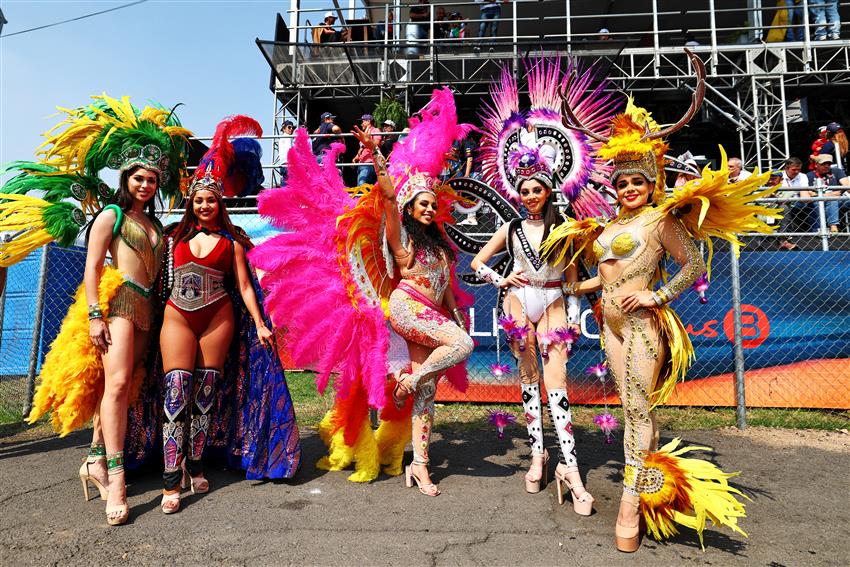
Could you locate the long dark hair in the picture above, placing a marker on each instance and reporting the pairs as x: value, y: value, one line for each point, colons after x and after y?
x: 426, y: 237
x: 549, y: 212
x: 124, y: 199
x: 185, y: 229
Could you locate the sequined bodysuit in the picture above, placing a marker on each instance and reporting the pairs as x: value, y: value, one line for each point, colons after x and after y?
x: 133, y: 300
x: 539, y: 307
x: 629, y: 255
x: 433, y: 338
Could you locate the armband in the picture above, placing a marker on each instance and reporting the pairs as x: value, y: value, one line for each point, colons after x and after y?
x: 569, y: 288
x: 458, y: 316
x: 95, y: 312
x: 489, y: 275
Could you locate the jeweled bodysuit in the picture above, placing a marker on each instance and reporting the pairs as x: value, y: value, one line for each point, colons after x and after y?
x: 416, y: 313
x: 629, y: 252
x: 133, y: 299
x: 539, y: 307
x: 198, y: 295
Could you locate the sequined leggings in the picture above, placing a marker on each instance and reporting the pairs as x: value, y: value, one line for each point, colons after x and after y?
x: 436, y: 343
x: 636, y: 355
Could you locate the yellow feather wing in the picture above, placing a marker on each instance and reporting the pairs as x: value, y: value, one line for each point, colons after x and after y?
x: 713, y: 207
x: 578, y: 234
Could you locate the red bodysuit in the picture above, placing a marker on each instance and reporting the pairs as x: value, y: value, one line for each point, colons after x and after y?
x: 199, y: 282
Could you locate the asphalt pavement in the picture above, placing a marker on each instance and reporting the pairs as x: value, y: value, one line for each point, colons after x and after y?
x: 798, y: 482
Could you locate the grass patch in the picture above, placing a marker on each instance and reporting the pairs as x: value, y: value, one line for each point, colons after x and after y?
x: 310, y: 407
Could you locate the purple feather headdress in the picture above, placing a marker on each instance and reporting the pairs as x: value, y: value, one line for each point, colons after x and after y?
x: 507, y: 129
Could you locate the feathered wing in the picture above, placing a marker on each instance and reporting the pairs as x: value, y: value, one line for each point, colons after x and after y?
x: 712, y: 207
x: 572, y: 236
x: 71, y: 378
x: 688, y: 492
x: 317, y: 277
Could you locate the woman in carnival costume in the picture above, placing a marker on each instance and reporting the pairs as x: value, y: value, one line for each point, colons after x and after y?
x: 335, y: 269
x: 206, y: 258
x: 646, y: 345
x: 530, y: 156
x: 95, y: 374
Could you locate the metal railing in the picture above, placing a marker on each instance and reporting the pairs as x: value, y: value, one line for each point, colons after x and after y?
x: 810, y: 328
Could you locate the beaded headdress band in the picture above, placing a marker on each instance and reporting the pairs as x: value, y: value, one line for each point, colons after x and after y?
x: 418, y: 183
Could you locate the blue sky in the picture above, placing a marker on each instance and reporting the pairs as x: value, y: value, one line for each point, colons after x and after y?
x: 200, y: 53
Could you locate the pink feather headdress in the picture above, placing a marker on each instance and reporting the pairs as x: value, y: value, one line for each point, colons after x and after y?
x: 418, y: 159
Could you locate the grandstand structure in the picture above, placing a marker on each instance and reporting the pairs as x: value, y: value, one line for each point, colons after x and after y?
x: 760, y: 95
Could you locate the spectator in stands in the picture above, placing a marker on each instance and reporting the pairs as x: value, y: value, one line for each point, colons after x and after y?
x: 417, y: 28
x: 325, y: 32
x: 604, y: 34
x: 824, y: 15
x: 836, y: 144
x: 328, y: 133
x: 366, y: 170
x: 737, y: 171
x: 385, y: 29
x: 457, y: 27
x: 441, y: 23
x: 691, y: 40
x: 797, y: 215
x: 283, y: 145
x: 491, y: 11
x: 825, y: 175
x: 794, y: 10
x: 388, y: 140
x: 817, y: 145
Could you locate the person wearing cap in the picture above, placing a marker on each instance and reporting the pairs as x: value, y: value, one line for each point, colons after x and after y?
x: 825, y: 175
x: 836, y: 143
x: 365, y: 170
x: 604, y: 34
x: 817, y: 146
x: 388, y: 140
x: 284, y: 144
x: 326, y: 31
x: 797, y: 215
x: 327, y: 134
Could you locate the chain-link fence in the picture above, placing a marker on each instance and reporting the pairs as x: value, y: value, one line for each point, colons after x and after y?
x: 785, y: 344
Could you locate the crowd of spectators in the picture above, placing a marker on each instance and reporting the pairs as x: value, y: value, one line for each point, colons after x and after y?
x: 824, y: 175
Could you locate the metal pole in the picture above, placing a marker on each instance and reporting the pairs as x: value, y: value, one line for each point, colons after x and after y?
x: 824, y: 233
x: 4, y: 273
x: 656, y: 41
x: 569, y: 34
x: 807, y: 38
x: 740, y: 399
x: 713, y: 26
x: 36, y: 331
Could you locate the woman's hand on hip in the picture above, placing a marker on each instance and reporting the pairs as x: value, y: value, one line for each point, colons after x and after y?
x: 635, y: 300
x: 99, y: 334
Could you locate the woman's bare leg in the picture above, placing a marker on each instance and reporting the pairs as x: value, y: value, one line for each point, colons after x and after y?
x: 118, y: 372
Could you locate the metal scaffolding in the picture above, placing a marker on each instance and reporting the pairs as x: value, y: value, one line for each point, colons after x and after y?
x: 748, y: 81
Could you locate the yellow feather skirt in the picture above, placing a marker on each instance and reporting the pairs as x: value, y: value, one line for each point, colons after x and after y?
x: 680, y: 354
x: 685, y: 491
x: 71, y: 379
